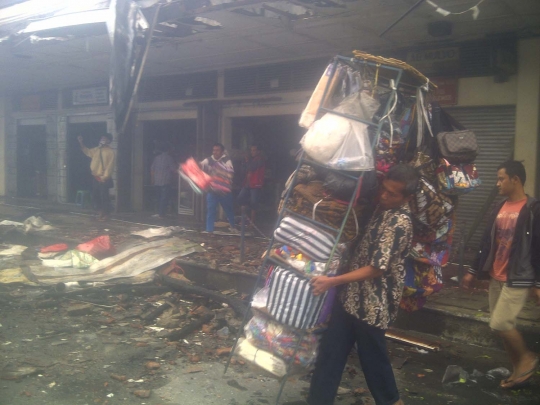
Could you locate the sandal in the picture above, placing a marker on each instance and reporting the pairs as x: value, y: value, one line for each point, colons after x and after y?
x: 514, y: 385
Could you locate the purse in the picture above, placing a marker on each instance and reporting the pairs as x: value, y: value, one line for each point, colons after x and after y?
x: 457, y: 179
x: 456, y: 143
x: 430, y: 207
x: 458, y: 146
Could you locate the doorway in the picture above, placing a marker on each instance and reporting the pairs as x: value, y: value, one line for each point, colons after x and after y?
x: 79, y: 176
x: 180, y: 136
x: 31, y: 161
x: 278, y: 138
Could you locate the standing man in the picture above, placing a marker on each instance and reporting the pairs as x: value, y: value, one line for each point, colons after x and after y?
x: 510, y: 256
x: 369, y: 299
x: 102, y: 167
x: 252, y: 186
x: 162, y: 174
x: 220, y: 168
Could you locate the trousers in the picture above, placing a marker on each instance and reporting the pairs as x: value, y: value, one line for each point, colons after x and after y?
x: 344, y: 330
x: 164, y: 196
x: 212, y: 201
x: 100, y: 197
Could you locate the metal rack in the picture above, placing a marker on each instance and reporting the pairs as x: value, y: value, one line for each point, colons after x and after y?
x: 353, y: 62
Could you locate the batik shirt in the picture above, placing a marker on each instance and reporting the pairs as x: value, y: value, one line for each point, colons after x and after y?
x: 385, y: 245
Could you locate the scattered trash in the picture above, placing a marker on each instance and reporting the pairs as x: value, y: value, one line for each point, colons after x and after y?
x: 142, y: 393
x: 36, y: 224
x: 100, y: 247
x: 152, y: 365
x: 110, y: 395
x: 498, y: 373
x: 455, y: 374
x: 16, y: 373
x: 162, y: 232
x: 223, y: 332
x: 477, y: 374
x: 11, y: 250
x: 343, y: 391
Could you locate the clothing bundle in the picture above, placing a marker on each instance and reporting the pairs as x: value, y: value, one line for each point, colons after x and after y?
x: 359, y: 123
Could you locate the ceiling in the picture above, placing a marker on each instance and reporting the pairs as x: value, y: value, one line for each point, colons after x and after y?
x: 250, y: 32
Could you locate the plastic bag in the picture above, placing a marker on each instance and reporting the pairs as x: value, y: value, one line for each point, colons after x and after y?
x: 342, y: 188
x: 261, y: 358
x: 280, y: 340
x: 99, y: 247
x: 340, y: 142
x: 59, y: 247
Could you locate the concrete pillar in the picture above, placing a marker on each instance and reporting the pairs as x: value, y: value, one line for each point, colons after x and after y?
x: 3, y: 125
x: 527, y: 144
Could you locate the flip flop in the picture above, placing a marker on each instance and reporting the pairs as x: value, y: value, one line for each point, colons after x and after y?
x: 520, y: 384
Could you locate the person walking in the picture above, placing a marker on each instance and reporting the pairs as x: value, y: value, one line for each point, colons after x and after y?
x: 162, y: 174
x: 369, y: 298
x: 509, y: 256
x: 219, y: 166
x: 250, y: 193
x: 102, y: 167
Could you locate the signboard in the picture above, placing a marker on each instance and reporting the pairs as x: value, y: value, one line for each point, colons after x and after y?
x: 89, y: 96
x: 446, y: 92
x: 435, y: 60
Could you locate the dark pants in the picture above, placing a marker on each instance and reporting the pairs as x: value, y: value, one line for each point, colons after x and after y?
x: 164, y: 196
x: 249, y: 197
x: 343, y: 332
x: 100, y: 197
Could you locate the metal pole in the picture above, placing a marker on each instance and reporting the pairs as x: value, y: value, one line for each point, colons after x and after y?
x: 141, y: 69
x: 243, y: 235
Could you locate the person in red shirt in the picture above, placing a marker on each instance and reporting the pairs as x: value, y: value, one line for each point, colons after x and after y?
x: 510, y: 257
x: 251, y: 189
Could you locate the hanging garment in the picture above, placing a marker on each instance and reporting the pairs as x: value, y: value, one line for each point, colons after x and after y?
x: 421, y: 281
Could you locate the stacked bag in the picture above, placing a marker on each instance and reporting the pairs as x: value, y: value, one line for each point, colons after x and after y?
x: 445, y: 161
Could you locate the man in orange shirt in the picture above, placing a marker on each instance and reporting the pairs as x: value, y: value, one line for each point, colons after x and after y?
x: 510, y: 256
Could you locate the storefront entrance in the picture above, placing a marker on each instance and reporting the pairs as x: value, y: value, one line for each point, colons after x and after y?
x: 278, y: 138
x: 180, y: 136
x: 31, y: 161
x: 79, y: 176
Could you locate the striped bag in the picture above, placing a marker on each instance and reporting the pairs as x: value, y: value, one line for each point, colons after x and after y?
x: 305, y: 237
x: 291, y: 300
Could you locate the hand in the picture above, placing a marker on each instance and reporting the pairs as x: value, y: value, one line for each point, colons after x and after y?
x: 536, y: 294
x: 80, y: 139
x: 466, y: 281
x: 321, y: 284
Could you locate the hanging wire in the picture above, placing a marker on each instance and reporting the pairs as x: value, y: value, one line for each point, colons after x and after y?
x: 444, y: 12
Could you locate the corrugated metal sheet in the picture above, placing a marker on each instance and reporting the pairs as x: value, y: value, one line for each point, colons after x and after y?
x: 495, y: 131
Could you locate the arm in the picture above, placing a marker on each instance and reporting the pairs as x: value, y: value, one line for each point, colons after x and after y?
x: 85, y: 150
x: 321, y: 284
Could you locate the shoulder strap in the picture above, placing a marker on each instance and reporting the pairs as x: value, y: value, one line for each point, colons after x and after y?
x: 102, y: 164
x: 451, y: 120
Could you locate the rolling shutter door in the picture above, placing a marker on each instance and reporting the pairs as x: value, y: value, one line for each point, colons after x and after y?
x: 495, y: 131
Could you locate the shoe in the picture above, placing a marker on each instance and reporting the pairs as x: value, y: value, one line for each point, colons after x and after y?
x: 514, y: 385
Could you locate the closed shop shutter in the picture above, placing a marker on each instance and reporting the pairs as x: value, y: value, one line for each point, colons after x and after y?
x: 495, y: 131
